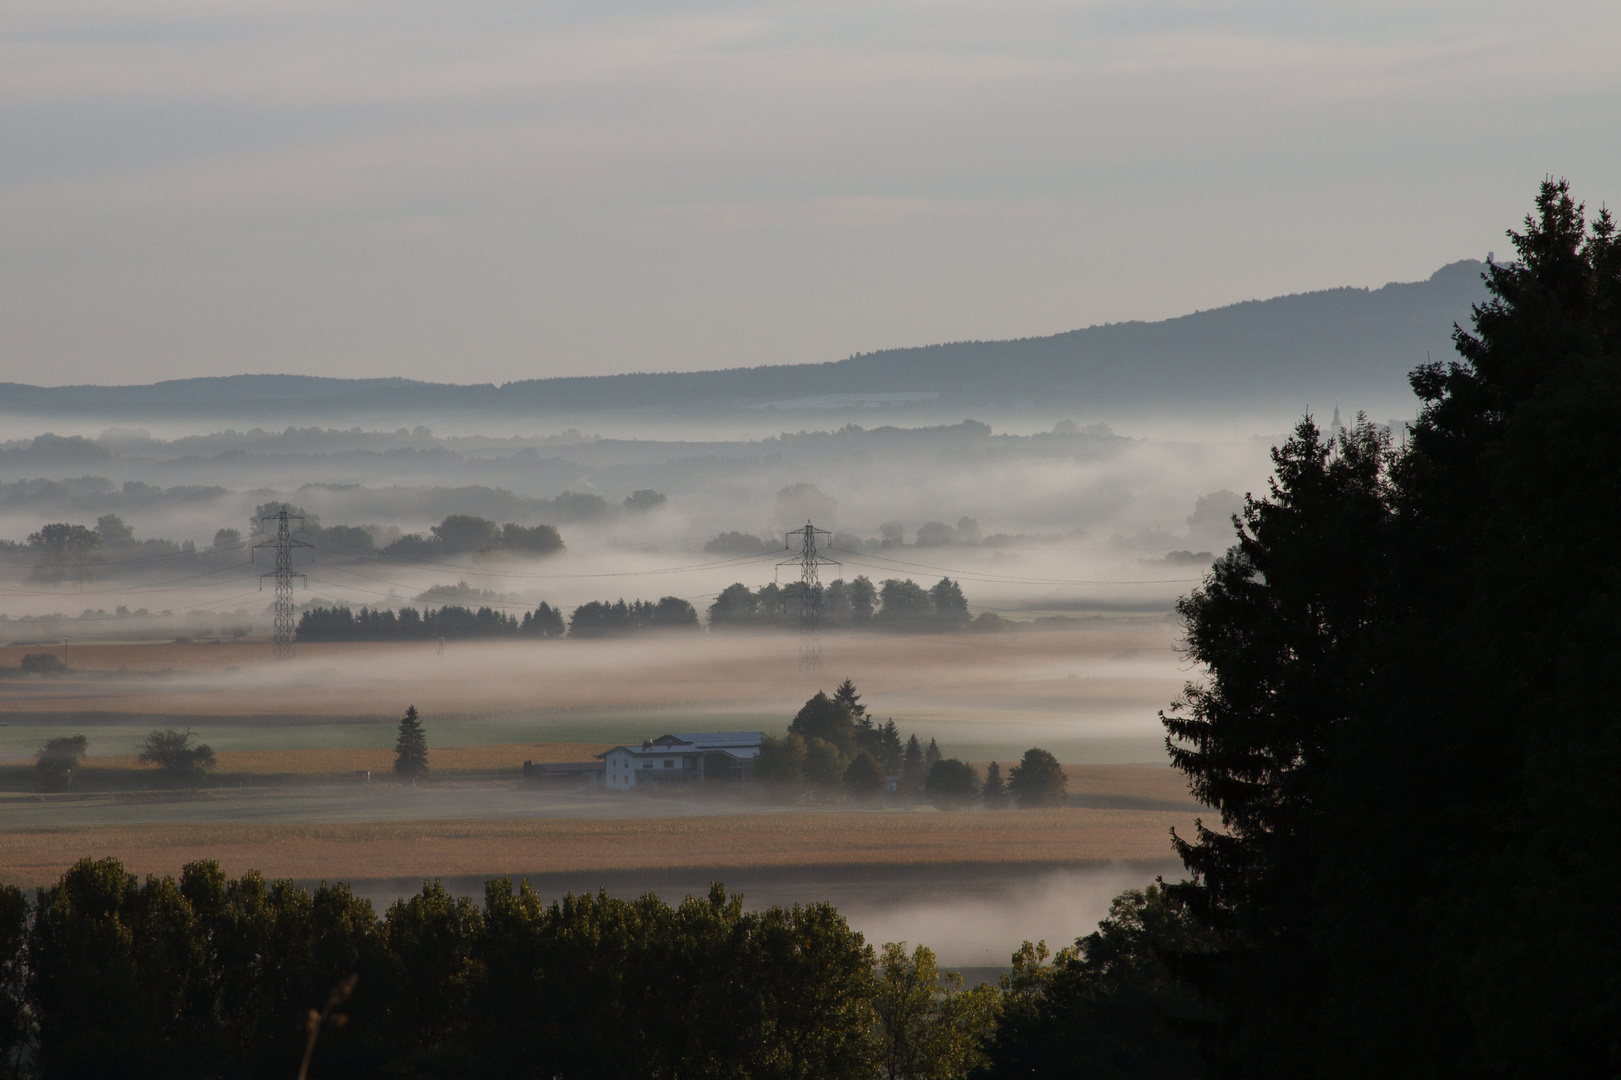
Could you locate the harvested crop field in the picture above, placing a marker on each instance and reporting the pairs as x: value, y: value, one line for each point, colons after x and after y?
x: 1090, y: 692
x: 503, y: 846
x: 497, y: 758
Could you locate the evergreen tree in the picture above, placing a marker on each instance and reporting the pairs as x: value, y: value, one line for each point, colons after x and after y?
x: 912, y: 774
x: 993, y: 792
x: 846, y: 695
x: 931, y: 755
x: 888, y: 752
x: 864, y: 779
x: 1403, y: 642
x: 411, y: 748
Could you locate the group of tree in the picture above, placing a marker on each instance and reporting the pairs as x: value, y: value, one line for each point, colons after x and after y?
x: 454, y: 622
x: 1410, y: 724
x: 67, y: 552
x: 107, y: 975
x: 894, y: 604
x: 457, y: 534
x: 835, y: 749
x: 599, y: 618
x: 173, y: 752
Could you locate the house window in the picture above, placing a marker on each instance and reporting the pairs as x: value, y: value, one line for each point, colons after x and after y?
x: 668, y: 764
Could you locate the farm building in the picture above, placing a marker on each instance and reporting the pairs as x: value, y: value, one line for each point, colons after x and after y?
x: 551, y: 774
x: 682, y: 759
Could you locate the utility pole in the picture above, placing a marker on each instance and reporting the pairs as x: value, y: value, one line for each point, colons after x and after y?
x: 809, y: 560
x: 283, y: 573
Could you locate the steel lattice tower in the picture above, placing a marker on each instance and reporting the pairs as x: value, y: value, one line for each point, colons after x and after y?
x: 810, y: 561
x: 284, y: 575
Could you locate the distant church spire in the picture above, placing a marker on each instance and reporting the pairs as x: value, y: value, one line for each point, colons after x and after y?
x: 1336, y: 427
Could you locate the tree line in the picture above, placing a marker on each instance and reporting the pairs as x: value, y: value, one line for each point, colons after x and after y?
x: 893, y: 604
x: 597, y: 619
x: 103, y: 975
x: 835, y: 749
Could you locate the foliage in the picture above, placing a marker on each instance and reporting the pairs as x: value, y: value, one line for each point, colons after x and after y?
x: 464, y: 533
x: 912, y: 774
x: 212, y: 976
x: 781, y: 760
x: 739, y: 543
x: 929, y: 1027
x: 346, y: 538
x: 112, y: 530
x: 16, y: 1019
x: 1409, y: 724
x: 993, y: 792
x: 1037, y: 780
x: 65, y: 551
x: 171, y: 751
x: 59, y: 760
x: 1109, y: 1007
x: 411, y: 746
x: 42, y: 664
x: 950, y: 606
x: 599, y: 619
x: 951, y: 784
x: 847, y: 696
x: 645, y: 499
x: 826, y: 718
x: 905, y: 606
x: 544, y: 622
x: 534, y: 540
x: 864, y: 779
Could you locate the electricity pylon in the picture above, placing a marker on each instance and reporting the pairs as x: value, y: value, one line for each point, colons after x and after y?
x: 810, y: 561
x: 284, y: 575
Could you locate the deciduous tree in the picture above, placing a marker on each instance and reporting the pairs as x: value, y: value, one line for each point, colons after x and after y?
x: 1037, y: 780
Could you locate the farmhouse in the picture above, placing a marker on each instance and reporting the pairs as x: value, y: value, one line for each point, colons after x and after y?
x: 682, y: 759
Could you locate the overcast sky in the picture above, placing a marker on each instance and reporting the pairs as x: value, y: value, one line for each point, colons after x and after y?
x: 479, y: 191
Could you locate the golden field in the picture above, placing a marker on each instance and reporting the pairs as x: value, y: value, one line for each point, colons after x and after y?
x: 499, y: 758
x: 1089, y: 669
x: 426, y: 849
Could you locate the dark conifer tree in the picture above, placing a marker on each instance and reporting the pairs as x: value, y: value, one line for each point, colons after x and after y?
x: 912, y: 773
x: 993, y: 792
x: 411, y: 748
x: 1410, y: 724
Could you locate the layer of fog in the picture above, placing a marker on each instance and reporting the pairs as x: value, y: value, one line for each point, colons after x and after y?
x: 1089, y: 693
x: 1070, y: 519
x: 970, y: 916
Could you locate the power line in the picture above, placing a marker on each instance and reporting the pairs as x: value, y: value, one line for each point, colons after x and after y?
x: 404, y: 563
x: 876, y: 562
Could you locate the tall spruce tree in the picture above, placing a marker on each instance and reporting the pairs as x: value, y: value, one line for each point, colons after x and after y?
x: 993, y: 792
x: 411, y: 748
x: 1410, y: 723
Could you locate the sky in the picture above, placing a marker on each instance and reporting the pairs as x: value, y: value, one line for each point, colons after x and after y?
x: 485, y: 191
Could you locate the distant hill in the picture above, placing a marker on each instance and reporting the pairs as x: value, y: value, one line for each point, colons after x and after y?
x: 1354, y: 345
